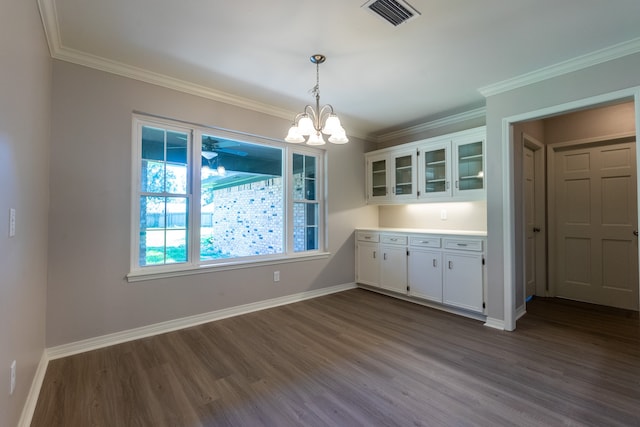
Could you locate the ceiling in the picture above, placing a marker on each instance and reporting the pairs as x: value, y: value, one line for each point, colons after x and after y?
x: 379, y: 78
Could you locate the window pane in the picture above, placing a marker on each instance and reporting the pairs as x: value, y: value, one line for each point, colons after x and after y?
x: 312, y: 214
x: 152, y: 143
x: 242, y: 199
x: 152, y: 177
x: 310, y: 167
x: 152, y: 236
x: 310, y: 189
x: 177, y: 147
x: 299, y: 227
x: 305, y: 226
x: 312, y: 238
x: 176, y: 179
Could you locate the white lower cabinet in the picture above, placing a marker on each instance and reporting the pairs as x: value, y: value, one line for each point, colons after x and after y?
x: 393, y: 268
x: 447, y: 270
x: 462, y: 284
x: 425, y: 274
x: 367, y: 258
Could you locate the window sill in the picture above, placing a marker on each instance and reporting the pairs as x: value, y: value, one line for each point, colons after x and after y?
x: 190, y: 269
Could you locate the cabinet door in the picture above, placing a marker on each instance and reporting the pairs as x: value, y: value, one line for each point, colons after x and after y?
x: 377, y: 178
x: 469, y: 168
x: 425, y: 274
x: 462, y: 285
x: 393, y: 268
x: 368, y: 264
x: 404, y: 175
x: 435, y: 173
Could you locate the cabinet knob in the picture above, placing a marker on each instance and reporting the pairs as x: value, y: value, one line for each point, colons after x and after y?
x: 450, y: 265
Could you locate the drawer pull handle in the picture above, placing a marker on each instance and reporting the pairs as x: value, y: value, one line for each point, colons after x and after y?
x: 394, y: 240
x: 435, y: 263
x: 450, y: 265
x: 384, y: 256
x: 424, y: 241
x: 374, y: 254
x: 367, y: 237
x: 463, y: 245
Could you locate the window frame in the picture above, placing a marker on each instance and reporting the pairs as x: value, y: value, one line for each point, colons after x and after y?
x: 194, y: 265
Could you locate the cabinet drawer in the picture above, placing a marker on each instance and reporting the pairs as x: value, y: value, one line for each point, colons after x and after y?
x: 393, y: 239
x: 425, y: 242
x: 463, y: 245
x: 367, y: 236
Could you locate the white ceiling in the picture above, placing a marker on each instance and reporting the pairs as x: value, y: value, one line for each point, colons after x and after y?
x: 378, y: 77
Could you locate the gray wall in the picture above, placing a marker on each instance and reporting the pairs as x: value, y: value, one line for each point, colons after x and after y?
x: 89, y: 221
x: 596, y: 80
x: 25, y: 105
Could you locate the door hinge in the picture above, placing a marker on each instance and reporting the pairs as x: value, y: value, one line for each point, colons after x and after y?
x: 418, y: 193
x: 408, y: 288
x: 482, y: 260
x: 407, y: 252
x: 417, y: 152
x: 484, y: 305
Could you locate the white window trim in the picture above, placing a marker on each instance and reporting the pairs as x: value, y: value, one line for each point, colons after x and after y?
x: 194, y: 265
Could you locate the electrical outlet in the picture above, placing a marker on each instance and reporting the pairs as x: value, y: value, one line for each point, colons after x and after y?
x: 276, y: 276
x: 13, y: 377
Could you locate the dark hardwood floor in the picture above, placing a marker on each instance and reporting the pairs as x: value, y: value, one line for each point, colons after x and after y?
x: 357, y: 358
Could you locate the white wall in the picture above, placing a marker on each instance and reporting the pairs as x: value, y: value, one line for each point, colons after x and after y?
x: 597, y: 80
x: 25, y: 105
x: 88, y: 295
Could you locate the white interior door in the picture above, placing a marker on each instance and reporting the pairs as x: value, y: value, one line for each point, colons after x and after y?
x: 596, y: 251
x: 535, y: 270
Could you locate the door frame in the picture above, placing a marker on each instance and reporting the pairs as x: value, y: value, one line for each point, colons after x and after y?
x: 540, y: 195
x: 510, y: 250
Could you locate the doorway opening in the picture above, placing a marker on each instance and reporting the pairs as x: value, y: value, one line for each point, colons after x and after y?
x: 571, y: 169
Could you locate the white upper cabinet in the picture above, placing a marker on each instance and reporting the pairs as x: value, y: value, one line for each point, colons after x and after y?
x: 378, y: 178
x: 391, y: 176
x: 468, y: 169
x: 435, y: 170
x: 446, y: 168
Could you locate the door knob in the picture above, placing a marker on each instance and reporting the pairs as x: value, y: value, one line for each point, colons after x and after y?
x: 635, y: 233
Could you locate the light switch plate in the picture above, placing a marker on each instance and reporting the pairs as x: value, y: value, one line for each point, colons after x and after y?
x: 12, y: 222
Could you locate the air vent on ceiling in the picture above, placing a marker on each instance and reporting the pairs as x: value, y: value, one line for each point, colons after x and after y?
x: 393, y: 11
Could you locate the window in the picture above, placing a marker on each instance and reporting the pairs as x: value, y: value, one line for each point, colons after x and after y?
x: 211, y: 197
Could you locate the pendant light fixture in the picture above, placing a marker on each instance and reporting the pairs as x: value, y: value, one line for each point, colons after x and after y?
x: 312, y: 123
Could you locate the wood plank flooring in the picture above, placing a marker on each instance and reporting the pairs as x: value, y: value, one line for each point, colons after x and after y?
x: 358, y: 358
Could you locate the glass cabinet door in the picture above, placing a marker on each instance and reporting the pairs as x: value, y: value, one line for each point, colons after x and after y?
x: 470, y: 173
x: 379, y: 178
x: 436, y: 171
x: 403, y: 175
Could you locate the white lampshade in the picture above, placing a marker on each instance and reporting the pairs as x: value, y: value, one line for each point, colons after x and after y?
x: 339, y: 137
x: 332, y: 125
x: 316, y: 139
x: 294, y: 135
x: 305, y: 125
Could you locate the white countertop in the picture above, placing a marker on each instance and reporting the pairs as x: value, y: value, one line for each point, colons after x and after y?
x: 426, y: 231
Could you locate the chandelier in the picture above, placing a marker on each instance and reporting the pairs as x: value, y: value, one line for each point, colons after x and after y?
x: 313, y: 123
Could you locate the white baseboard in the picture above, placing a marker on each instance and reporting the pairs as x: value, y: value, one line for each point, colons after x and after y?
x: 185, y: 322
x: 494, y: 323
x: 34, y: 392
x: 521, y: 311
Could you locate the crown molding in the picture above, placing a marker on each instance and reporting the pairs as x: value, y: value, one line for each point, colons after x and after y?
x: 58, y: 51
x: 575, y: 64
x: 434, y: 124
